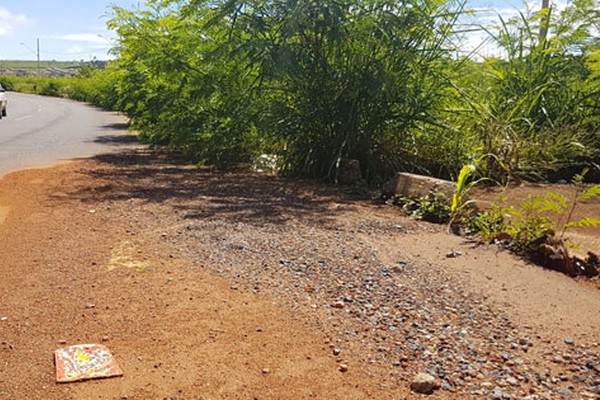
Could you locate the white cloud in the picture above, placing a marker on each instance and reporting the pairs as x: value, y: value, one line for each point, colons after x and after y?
x: 477, y: 40
x: 9, y: 22
x: 90, y: 38
x: 75, y: 50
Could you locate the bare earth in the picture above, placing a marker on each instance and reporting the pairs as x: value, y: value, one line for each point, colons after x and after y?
x: 239, y: 286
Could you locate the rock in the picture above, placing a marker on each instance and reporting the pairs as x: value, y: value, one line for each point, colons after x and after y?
x: 336, y: 352
x: 266, y: 371
x: 338, y: 304
x: 511, y: 380
x: 424, y: 383
x: 565, y: 392
x: 569, y: 341
x: 498, y: 394
x: 343, y: 367
x: 349, y: 172
x: 453, y: 254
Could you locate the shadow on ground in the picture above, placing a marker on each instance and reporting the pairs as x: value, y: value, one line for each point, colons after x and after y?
x: 201, y: 193
x: 117, y: 126
x: 116, y: 140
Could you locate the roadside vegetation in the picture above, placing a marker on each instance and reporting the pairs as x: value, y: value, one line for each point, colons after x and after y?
x: 534, y: 228
x: 382, y: 82
x: 317, y: 83
x: 33, y: 65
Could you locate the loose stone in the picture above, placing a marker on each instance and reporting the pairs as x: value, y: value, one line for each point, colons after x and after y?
x: 424, y: 383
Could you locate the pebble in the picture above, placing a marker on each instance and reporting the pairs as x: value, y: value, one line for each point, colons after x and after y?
x: 570, y: 341
x: 453, y: 254
x: 512, y: 381
x: 497, y: 394
x: 402, y: 318
x: 424, y: 383
x: 565, y: 392
x: 338, y: 304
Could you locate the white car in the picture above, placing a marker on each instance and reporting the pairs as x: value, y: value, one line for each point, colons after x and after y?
x: 3, y: 102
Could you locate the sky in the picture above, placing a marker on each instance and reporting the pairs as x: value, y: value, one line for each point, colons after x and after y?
x: 486, y: 13
x: 74, y: 30
x: 68, y: 30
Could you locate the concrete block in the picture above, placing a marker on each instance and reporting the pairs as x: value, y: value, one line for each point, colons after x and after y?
x: 412, y: 185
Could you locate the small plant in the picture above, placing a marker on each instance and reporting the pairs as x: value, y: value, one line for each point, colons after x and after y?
x: 558, y: 203
x: 488, y: 224
x: 434, y: 208
x: 550, y: 216
x: 537, y: 225
x: 531, y: 229
x: 464, y: 183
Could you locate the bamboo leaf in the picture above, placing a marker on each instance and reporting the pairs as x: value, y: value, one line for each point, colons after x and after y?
x: 587, y: 222
x: 590, y: 192
x: 558, y: 199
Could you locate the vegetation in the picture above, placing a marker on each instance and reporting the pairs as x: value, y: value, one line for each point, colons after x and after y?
x: 536, y: 227
x: 90, y: 85
x: 433, y: 207
x: 317, y: 82
x: 32, y: 64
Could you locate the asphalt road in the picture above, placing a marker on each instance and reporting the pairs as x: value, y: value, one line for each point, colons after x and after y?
x: 41, y: 131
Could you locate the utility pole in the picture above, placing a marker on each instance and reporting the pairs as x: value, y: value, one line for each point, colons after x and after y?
x: 38, y: 57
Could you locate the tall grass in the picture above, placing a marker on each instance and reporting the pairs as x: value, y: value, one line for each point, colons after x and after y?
x: 317, y: 82
x: 534, y: 114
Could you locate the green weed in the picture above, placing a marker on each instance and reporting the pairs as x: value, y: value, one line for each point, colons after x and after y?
x: 536, y: 227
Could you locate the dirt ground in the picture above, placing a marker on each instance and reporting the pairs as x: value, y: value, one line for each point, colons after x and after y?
x: 211, y: 285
